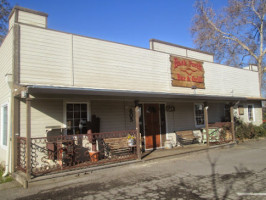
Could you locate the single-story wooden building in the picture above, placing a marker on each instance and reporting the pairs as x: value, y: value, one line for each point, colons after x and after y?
x: 53, y: 80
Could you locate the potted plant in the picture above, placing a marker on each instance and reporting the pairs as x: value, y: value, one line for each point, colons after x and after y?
x: 94, y: 155
x: 131, y: 140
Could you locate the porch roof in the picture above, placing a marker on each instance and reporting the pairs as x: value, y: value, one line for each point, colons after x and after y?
x: 38, y: 89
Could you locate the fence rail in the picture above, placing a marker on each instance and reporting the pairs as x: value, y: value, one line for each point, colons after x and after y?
x: 57, y: 153
x: 220, y: 133
x: 21, y: 154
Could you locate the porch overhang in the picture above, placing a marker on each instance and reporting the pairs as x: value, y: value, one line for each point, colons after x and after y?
x: 37, y: 89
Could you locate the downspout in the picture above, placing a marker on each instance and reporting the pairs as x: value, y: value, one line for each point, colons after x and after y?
x: 8, y: 151
x: 9, y: 139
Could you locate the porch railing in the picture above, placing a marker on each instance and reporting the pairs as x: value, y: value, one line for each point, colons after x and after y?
x: 21, y: 154
x: 57, y: 153
x: 220, y: 132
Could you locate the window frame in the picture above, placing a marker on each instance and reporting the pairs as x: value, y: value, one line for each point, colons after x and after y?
x: 253, y: 112
x: 75, y: 102
x: 3, y: 146
x: 195, y: 118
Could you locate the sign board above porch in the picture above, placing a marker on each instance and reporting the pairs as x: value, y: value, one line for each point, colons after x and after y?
x: 187, y: 73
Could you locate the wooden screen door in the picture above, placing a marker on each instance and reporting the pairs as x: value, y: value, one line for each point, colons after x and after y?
x: 152, y: 125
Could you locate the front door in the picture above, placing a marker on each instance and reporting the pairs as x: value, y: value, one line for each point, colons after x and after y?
x: 152, y: 125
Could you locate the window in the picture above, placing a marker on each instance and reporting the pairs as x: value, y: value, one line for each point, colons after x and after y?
x: 251, y: 113
x: 76, y: 118
x: 199, y: 114
x: 4, y: 125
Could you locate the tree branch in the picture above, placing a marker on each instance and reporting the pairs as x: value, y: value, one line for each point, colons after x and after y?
x: 254, y: 10
x: 233, y: 38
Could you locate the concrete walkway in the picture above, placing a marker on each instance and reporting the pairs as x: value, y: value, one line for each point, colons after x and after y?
x: 179, y: 151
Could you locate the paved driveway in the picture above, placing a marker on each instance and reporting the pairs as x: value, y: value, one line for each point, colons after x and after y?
x: 230, y: 173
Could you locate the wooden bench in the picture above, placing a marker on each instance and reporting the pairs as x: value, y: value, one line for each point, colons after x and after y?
x: 186, y: 137
x: 115, y: 147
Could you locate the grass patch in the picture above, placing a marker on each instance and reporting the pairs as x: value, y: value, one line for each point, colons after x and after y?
x: 6, y: 179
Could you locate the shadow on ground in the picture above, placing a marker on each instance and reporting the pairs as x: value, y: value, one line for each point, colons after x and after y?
x: 167, y: 186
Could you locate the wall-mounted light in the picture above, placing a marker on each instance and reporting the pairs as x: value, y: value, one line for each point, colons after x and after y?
x: 24, y: 94
x: 194, y: 87
x: 9, y: 80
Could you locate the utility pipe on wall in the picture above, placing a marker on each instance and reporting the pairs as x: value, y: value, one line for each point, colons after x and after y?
x: 8, y: 150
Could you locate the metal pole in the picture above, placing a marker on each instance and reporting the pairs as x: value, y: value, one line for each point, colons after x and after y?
x: 28, y: 139
x: 206, y: 124
x: 138, y: 133
x: 232, y: 123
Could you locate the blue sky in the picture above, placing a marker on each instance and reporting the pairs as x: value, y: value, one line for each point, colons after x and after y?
x: 132, y: 22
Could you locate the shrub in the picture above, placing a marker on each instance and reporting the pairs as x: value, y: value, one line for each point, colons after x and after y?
x: 249, y: 130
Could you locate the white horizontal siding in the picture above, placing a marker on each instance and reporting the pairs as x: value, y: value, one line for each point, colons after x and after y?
x: 43, y: 113
x: 45, y: 57
x: 30, y: 18
x: 158, y: 46
x: 169, y: 49
x: 199, y: 56
x: 257, y: 112
x: 6, y: 62
x: 114, y: 115
x: 230, y: 81
x: 182, y: 118
x: 99, y: 63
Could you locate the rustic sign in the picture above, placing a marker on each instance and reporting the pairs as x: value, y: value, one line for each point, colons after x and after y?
x: 187, y: 73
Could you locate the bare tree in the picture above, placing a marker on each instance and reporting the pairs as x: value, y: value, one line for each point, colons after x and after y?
x: 236, y: 34
x: 5, y: 9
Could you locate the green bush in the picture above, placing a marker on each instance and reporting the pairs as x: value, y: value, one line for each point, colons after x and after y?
x: 249, y: 130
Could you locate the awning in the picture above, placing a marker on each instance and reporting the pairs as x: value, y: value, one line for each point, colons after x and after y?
x: 38, y: 89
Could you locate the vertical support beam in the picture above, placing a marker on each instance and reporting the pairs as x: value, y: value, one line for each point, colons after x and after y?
x: 232, y: 123
x: 138, y: 133
x: 15, y: 131
x: 16, y: 81
x: 206, y: 120
x: 28, y: 138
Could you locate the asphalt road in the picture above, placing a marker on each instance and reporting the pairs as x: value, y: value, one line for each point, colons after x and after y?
x: 230, y: 173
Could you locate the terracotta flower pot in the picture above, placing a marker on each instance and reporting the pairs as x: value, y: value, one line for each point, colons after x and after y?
x: 94, y: 155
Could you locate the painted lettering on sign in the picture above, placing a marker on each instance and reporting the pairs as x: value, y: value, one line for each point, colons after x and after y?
x: 187, y: 73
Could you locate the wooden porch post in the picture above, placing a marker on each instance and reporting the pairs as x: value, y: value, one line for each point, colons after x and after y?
x: 138, y: 133
x: 28, y: 138
x: 206, y: 120
x: 232, y: 123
